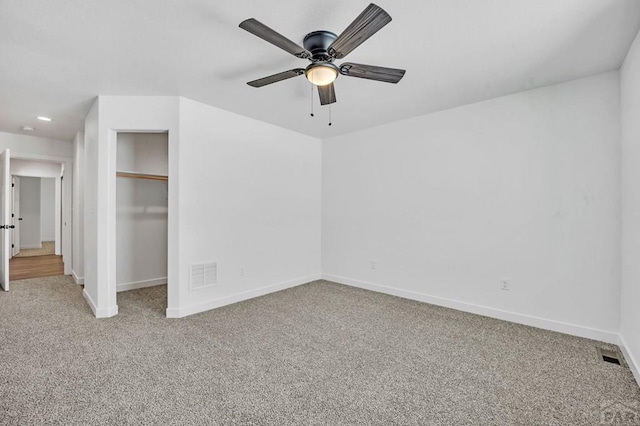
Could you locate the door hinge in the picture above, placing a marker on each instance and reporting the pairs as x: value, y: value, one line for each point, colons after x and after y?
x: 13, y: 245
x: 13, y: 215
x: 13, y: 185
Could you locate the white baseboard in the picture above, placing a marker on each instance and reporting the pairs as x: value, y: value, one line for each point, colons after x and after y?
x: 561, y: 327
x: 238, y: 297
x: 99, y: 313
x: 141, y: 284
x: 631, y: 361
x: 30, y: 246
x: 76, y: 278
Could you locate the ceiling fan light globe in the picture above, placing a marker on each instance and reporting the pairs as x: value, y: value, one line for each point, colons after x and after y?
x: 322, y: 74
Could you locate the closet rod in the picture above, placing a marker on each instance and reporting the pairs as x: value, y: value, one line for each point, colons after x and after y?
x: 140, y: 176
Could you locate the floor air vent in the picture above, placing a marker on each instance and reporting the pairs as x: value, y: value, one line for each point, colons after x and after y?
x: 203, y: 275
x: 610, y: 356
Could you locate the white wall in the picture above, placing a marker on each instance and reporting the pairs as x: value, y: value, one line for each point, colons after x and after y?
x: 30, y: 213
x: 630, y: 101
x: 524, y: 187
x: 141, y: 211
x: 96, y: 294
x: 77, y: 269
x: 250, y: 200
x: 23, y: 144
x: 35, y: 168
x: 47, y: 209
x: 241, y: 192
x: 58, y: 218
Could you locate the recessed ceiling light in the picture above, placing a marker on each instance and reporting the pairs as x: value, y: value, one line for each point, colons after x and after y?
x: 43, y: 118
x: 28, y: 128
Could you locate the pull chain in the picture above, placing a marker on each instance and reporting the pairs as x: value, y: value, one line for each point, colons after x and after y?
x: 312, y: 100
x: 329, y: 114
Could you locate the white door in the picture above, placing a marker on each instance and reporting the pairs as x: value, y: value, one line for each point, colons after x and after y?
x: 15, y: 216
x: 5, y: 194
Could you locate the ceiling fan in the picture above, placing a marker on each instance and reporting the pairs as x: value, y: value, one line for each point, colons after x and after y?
x: 323, y: 47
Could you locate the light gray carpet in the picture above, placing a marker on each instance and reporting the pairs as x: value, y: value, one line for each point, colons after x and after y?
x: 321, y: 353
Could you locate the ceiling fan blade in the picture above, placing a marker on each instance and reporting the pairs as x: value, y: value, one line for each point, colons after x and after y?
x: 388, y: 75
x: 259, y: 29
x: 276, y: 77
x: 369, y: 22
x: 327, y: 94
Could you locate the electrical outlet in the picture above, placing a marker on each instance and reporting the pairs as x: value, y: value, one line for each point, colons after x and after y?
x: 504, y: 284
x: 374, y: 264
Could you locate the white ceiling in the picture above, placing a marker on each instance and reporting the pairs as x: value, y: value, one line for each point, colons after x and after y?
x: 56, y: 56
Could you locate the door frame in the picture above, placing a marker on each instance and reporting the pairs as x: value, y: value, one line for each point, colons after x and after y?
x: 15, y: 215
x: 5, y: 200
x: 66, y: 205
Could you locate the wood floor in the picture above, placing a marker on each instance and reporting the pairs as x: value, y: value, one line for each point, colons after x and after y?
x: 21, y: 268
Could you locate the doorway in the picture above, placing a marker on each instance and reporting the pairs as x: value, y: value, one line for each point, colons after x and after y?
x: 142, y: 220
x: 36, y: 211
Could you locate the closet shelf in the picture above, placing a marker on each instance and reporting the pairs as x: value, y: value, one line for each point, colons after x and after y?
x: 136, y: 175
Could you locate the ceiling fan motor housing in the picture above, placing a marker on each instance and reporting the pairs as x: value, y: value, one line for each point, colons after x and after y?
x: 318, y: 42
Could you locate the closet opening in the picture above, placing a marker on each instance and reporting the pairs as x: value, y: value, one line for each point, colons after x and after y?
x: 141, y: 221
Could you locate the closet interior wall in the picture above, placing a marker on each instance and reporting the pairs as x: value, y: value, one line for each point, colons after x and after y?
x: 141, y: 212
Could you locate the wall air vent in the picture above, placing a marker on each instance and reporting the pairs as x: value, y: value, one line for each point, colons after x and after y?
x: 202, y: 275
